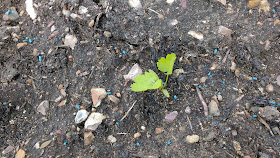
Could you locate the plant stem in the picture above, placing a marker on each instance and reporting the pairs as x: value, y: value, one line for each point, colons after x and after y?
x: 165, y: 82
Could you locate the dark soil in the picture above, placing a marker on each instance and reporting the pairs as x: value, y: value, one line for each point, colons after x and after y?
x: 145, y: 38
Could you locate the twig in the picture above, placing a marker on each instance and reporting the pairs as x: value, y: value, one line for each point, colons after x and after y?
x: 202, y: 101
x: 265, y: 124
x: 190, y: 124
x: 128, y: 111
x: 225, y: 58
x: 122, y: 133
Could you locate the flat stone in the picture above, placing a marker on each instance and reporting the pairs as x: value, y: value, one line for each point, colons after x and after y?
x: 43, y: 107
x: 12, y: 16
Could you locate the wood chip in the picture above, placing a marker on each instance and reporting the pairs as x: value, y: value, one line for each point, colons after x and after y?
x: 46, y: 143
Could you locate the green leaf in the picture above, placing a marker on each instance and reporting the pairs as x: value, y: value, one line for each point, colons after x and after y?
x: 149, y: 80
x: 166, y: 64
x: 165, y: 92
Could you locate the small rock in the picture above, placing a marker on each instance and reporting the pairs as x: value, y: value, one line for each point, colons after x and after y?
x: 114, y: 99
x: 278, y: 80
x: 224, y: 2
x: 81, y: 116
x: 30, y: 9
x: 97, y: 94
x: 70, y: 40
x: 220, y: 97
x: 192, y: 138
x: 211, y: 135
x: 171, y: 116
x: 73, y: 16
x: 133, y: 72
x: 20, y: 154
x: 111, y: 139
x: 62, y: 92
x: 269, y: 112
x: 237, y: 147
x: 59, y: 131
x: 136, y: 135
x: 66, y: 12
x: 82, y: 10
x: 269, y: 88
x: 143, y: 128
x: 196, y: 35
x: 135, y: 4
x: 88, y: 137
x: 276, y: 22
x: 94, y: 120
x: 58, y: 99
x: 224, y: 31
x: 62, y: 103
x: 7, y: 149
x: 188, y: 110
x: 234, y: 133
x: 37, y: 145
x: 213, y: 107
x: 276, y: 130
x: 159, y: 130
x: 19, y: 45
x: 91, y: 23
x: 253, y: 3
x: 12, y: 16
x: 43, y: 107
x: 177, y: 72
x: 107, y: 34
x: 203, y: 79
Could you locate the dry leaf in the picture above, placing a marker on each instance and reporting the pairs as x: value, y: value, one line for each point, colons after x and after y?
x: 46, y: 143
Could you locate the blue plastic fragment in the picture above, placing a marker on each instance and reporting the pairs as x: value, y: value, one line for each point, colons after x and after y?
x: 224, y: 89
x: 255, y: 116
x: 175, y: 97
x: 137, y: 144
x: 64, y: 143
x: 30, y: 40
x: 108, y: 93
x: 40, y: 58
x: 273, y: 10
x: 208, y: 118
x: 26, y: 38
x: 78, y: 106
x: 244, y: 10
x: 5, y: 103
x: 163, y: 83
x: 255, y: 78
x: 219, y: 93
x: 229, y: 85
x: 8, y: 12
x: 215, y: 51
x: 168, y: 143
x: 123, y: 51
x: 271, y: 102
x: 278, y: 104
x: 205, y: 85
x: 117, y: 123
x: 36, y: 37
x: 199, y: 86
x: 214, y: 93
x: 223, y: 82
x: 59, y: 38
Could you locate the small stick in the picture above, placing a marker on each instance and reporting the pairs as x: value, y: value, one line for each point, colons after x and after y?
x: 122, y: 133
x: 128, y: 111
x: 190, y: 124
x: 225, y: 58
x: 265, y: 124
x: 153, y: 11
x: 202, y: 101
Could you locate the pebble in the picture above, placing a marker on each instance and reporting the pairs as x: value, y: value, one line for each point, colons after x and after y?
x: 177, y: 72
x: 278, y: 80
x: 20, y: 154
x: 12, y: 16
x: 91, y: 23
x: 133, y: 72
x: 19, y: 45
x: 114, y: 99
x: 82, y: 10
x: 70, y: 40
x: 136, y: 135
x: 159, y: 130
x: 143, y: 128
x: 112, y: 139
x: 188, y: 110
x: 234, y: 133
x: 88, y: 137
x: 269, y: 112
x: 7, y: 149
x: 269, y: 88
x: 196, y: 35
x: 81, y: 116
x: 62, y: 92
x: 97, y: 94
x: 43, y: 107
x: 214, y: 107
x: 276, y: 130
x: 220, y: 97
x: 203, y: 79
x: 107, y: 34
x: 171, y: 116
x: 94, y: 120
x: 224, y: 31
x: 62, y: 103
x: 192, y: 138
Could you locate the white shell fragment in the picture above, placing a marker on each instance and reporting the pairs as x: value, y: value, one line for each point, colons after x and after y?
x: 112, y: 139
x: 82, y: 10
x: 70, y: 40
x: 133, y: 72
x: 135, y: 4
x: 81, y: 116
x: 192, y: 138
x: 43, y: 107
x: 196, y: 35
x: 169, y: 1
x: 94, y: 120
x: 97, y: 94
x: 29, y: 9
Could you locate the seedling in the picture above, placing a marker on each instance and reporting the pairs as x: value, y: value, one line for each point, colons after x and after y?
x: 150, y: 80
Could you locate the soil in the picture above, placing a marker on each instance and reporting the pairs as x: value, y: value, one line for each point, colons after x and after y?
x: 140, y: 36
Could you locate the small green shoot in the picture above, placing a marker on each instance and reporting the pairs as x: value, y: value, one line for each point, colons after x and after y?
x: 150, y: 80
